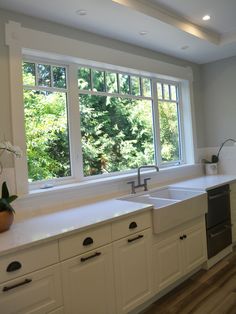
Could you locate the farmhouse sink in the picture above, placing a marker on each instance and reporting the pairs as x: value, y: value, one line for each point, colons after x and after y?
x: 147, y: 199
x: 174, y: 193
x: 172, y: 206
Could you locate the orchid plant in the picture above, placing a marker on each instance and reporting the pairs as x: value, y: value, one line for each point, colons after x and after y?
x: 6, y: 199
x: 6, y: 146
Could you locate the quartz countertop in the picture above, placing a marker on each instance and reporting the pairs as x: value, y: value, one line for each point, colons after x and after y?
x: 59, y: 224
x: 205, y: 182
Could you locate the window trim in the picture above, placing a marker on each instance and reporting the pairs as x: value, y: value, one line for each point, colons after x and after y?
x: 21, y: 40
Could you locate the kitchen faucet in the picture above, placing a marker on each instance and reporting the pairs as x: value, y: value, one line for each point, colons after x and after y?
x: 133, y: 186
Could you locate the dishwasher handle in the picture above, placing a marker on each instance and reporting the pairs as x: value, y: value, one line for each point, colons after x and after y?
x: 222, y: 194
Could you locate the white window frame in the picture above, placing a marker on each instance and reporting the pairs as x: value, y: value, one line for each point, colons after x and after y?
x: 65, y: 50
x: 76, y: 158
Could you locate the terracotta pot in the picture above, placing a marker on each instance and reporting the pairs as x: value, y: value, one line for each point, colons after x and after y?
x: 6, y: 220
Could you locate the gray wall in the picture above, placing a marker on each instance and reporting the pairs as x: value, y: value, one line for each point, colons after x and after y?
x: 219, y: 100
x: 37, y: 24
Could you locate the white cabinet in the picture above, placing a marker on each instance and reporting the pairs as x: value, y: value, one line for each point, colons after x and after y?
x: 178, y: 252
x: 233, y: 210
x: 194, y: 247
x: 167, y: 262
x: 133, y: 272
x: 88, y: 283
x: 35, y: 293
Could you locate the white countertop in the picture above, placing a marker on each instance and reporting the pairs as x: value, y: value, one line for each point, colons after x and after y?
x: 58, y: 224
x: 206, y: 182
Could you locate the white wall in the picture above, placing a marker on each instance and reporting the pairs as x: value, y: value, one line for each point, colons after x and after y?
x: 219, y: 101
x: 5, y: 116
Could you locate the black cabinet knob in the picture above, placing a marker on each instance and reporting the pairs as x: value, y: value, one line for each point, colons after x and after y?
x: 87, y: 241
x: 181, y: 237
x: 13, y: 266
x: 133, y: 225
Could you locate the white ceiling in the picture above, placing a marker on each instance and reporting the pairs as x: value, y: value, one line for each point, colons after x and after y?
x: 171, y: 24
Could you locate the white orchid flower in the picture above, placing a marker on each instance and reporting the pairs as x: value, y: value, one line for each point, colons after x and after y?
x: 8, y: 147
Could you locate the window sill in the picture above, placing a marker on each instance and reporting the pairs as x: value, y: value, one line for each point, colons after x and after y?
x: 76, y: 194
x: 108, y: 180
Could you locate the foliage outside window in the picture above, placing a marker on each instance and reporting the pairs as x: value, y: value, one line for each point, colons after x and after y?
x: 126, y: 121
x: 46, y: 126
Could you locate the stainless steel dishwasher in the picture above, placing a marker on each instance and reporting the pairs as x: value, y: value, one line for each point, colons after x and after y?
x: 218, y: 220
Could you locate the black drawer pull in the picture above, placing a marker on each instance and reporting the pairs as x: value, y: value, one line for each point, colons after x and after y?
x: 25, y: 282
x: 87, y: 241
x: 133, y: 225
x: 184, y: 236
x: 213, y: 235
x: 212, y: 197
x: 84, y: 259
x: 228, y: 226
x: 136, y: 238
x: 181, y: 237
x: 13, y: 266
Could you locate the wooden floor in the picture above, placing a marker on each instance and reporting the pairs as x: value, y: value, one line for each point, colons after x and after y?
x: 212, y: 291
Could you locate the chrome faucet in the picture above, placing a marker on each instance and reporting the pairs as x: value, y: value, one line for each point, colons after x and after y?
x: 133, y: 186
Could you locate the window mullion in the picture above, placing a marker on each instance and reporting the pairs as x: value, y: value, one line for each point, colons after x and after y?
x: 181, y: 125
x: 74, y: 123
x: 156, y: 123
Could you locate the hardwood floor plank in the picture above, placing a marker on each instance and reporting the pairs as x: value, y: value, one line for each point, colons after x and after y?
x: 207, y: 292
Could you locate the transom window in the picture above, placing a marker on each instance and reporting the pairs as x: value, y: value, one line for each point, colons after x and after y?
x: 126, y: 120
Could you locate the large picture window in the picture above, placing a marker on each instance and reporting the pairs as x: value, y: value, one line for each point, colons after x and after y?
x: 126, y: 120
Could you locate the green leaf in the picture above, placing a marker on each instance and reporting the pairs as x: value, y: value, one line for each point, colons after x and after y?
x: 5, y: 192
x: 5, y: 206
x: 11, y: 198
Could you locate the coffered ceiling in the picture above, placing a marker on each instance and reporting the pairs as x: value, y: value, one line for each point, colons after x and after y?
x: 174, y: 27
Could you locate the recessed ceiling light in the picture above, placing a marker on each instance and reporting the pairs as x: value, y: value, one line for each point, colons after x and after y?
x: 143, y: 33
x: 81, y: 12
x: 206, y: 17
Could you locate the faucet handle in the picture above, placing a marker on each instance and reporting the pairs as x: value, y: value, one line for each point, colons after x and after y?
x: 132, y: 186
x: 145, y: 183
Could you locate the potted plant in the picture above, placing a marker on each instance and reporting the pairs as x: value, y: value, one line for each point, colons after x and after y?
x: 6, y: 210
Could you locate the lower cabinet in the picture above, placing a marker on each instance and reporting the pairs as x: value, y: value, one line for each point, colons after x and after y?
x: 133, y: 271
x: 178, y: 253
x: 167, y: 262
x: 88, y: 285
x: 35, y: 293
x: 233, y: 210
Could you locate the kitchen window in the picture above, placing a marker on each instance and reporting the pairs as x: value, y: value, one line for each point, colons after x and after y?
x: 46, y: 122
x: 126, y: 120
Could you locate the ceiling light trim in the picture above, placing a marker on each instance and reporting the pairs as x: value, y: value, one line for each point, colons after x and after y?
x: 170, y: 18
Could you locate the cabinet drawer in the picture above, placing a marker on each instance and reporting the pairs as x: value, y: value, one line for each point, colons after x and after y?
x: 84, y: 241
x: 130, y: 225
x: 35, y: 293
x: 28, y: 260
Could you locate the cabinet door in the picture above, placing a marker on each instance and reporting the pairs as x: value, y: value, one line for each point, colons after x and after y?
x: 36, y: 293
x: 88, y: 283
x: 194, y: 247
x: 233, y: 210
x: 167, y: 261
x: 133, y: 273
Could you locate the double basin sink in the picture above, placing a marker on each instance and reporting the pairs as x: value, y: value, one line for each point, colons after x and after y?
x: 172, y: 206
